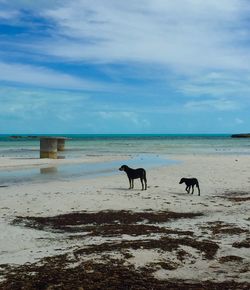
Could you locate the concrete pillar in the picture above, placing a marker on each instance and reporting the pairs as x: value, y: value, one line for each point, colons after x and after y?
x: 60, y: 144
x: 48, y: 148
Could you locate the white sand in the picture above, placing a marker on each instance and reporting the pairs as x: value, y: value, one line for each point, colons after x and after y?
x: 217, y: 175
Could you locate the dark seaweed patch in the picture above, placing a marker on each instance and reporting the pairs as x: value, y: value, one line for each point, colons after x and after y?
x: 65, y: 221
x: 243, y: 244
x: 209, y: 248
x: 231, y: 258
x: 54, y: 273
x: 220, y: 228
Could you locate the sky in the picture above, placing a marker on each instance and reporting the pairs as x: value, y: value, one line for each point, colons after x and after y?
x: 116, y: 66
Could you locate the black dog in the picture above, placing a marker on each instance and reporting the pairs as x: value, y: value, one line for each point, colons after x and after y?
x: 134, y: 174
x: 190, y: 182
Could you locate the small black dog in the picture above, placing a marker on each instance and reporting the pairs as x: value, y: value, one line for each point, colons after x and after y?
x: 190, y: 182
x: 134, y: 174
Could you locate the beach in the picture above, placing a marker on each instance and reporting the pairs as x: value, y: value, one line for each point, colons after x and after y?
x: 94, y: 231
x: 95, y: 94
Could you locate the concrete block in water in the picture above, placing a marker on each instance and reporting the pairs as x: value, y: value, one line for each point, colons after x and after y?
x: 60, y: 144
x: 48, y: 148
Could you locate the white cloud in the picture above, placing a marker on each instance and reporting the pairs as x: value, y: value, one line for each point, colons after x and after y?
x: 239, y: 121
x: 208, y: 105
x: 43, y: 77
x: 182, y: 34
x: 8, y: 14
x: 125, y: 117
x: 29, y: 4
x: 217, y: 84
x: 34, y: 103
x: 199, y: 47
x: 185, y: 35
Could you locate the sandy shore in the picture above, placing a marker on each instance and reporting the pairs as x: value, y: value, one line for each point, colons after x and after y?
x: 223, y: 207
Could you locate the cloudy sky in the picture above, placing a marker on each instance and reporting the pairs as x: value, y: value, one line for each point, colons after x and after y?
x: 116, y: 66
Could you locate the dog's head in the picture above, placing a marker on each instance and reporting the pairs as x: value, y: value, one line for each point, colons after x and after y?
x: 182, y: 180
x: 123, y: 168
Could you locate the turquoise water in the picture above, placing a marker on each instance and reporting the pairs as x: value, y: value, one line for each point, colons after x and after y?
x: 147, y: 152
x: 80, y: 145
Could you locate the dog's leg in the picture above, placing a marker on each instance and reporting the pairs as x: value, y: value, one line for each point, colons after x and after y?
x: 187, y: 188
x: 142, y: 183
x: 145, y: 183
x: 197, y: 185
x: 130, y: 183
x: 192, y: 188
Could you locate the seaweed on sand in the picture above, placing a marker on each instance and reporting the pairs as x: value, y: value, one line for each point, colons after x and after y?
x: 243, y: 244
x: 208, y: 248
x: 66, y: 222
x: 220, y: 228
x: 82, y: 271
x: 56, y: 273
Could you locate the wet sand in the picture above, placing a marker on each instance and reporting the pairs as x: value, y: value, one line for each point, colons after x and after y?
x: 96, y: 234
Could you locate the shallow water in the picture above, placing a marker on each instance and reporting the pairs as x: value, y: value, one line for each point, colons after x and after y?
x: 82, y: 170
x: 80, y: 145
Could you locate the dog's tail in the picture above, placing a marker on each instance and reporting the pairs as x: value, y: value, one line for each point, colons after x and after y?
x: 198, y: 187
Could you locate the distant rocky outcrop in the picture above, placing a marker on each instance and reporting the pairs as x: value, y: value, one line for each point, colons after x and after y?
x: 244, y: 135
x: 16, y: 137
x: 23, y: 137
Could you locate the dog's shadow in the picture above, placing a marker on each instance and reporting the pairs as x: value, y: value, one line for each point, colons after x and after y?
x: 179, y: 193
x: 118, y: 188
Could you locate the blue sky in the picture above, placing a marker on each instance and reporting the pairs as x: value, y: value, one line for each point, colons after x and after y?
x: 134, y: 66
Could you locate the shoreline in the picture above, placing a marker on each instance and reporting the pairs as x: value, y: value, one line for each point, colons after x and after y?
x: 41, y: 170
x: 223, y: 179
x: 23, y: 162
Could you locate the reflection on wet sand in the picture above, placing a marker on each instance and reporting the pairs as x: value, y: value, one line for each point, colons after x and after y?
x: 60, y: 156
x: 48, y: 170
x: 77, y: 170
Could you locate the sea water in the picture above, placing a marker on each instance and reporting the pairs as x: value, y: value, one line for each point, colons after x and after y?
x: 80, y: 145
x: 147, y: 151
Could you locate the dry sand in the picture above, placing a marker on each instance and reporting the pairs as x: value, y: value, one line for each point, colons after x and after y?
x: 224, y: 220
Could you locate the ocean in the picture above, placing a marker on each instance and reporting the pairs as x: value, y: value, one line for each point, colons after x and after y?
x: 101, y: 144
x: 146, y: 151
